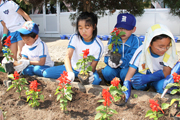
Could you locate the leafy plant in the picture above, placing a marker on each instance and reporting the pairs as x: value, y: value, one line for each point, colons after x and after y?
x: 105, y: 110
x: 153, y: 113
x: 117, y: 90
x: 7, y: 51
x: 18, y: 83
x: 64, y: 91
x: 2, y: 68
x: 83, y: 63
x: 176, y: 84
x: 116, y: 34
x: 33, y: 94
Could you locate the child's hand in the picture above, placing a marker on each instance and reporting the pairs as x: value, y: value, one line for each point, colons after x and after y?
x: 16, y: 63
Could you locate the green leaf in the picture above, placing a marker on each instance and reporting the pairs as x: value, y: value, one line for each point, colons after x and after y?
x: 113, y: 111
x: 160, y: 115
x: 42, y: 97
x: 69, y: 97
x: 28, y: 97
x: 58, y: 96
x: 165, y: 106
x: 172, y: 101
x: 149, y: 113
x: 174, y: 91
x: 11, y: 86
x: 110, y: 46
x: 98, y: 115
x: 124, y: 88
x: 99, y: 107
x: 171, y: 85
x: 11, y: 76
x: 135, y: 95
x: 102, y: 100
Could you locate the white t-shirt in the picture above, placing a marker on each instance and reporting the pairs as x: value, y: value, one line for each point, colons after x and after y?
x: 38, y: 50
x: 8, y: 14
x: 95, y: 47
x: 157, y: 61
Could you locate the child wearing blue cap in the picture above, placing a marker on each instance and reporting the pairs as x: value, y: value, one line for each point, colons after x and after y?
x: 129, y: 43
x: 35, y: 53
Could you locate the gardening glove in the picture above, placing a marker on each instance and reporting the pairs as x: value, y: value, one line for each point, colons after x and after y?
x: 140, y: 79
x: 4, y: 37
x: 91, y: 77
x: 71, y: 76
x: 113, y: 65
x: 169, y: 78
x: 127, y: 84
x: 22, y: 66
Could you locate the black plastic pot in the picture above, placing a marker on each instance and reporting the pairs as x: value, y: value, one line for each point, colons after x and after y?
x: 9, y: 68
x: 115, y: 57
x: 84, y: 79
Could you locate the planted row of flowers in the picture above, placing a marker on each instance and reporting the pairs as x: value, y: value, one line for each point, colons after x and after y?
x: 113, y: 94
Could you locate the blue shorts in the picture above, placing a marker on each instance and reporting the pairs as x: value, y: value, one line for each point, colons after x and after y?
x: 15, y: 37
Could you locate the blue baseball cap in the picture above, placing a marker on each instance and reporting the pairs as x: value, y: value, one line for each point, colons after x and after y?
x: 126, y: 21
x: 29, y: 27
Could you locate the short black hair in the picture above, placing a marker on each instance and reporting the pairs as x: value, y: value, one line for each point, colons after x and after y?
x: 32, y: 34
x: 91, y: 19
x: 161, y: 36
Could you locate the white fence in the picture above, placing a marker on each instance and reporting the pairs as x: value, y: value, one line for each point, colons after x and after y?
x: 54, y: 25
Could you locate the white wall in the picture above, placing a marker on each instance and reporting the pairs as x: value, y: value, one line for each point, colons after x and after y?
x: 107, y: 23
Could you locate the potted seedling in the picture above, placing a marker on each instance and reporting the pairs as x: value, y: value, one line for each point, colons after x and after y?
x: 83, y: 64
x: 8, y: 62
x: 117, y: 91
x: 115, y: 56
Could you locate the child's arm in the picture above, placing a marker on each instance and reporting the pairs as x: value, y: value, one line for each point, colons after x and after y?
x: 94, y: 64
x: 166, y: 71
x: 68, y: 59
x: 130, y: 73
x: 24, y: 14
x: 41, y: 62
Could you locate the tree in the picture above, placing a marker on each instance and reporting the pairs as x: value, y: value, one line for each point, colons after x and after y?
x: 174, y: 5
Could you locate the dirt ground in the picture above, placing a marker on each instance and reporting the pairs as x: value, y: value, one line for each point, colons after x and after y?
x: 82, y: 107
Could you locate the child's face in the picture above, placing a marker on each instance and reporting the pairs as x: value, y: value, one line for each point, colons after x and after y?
x: 85, y: 30
x: 28, y: 40
x: 160, y: 46
x: 128, y: 33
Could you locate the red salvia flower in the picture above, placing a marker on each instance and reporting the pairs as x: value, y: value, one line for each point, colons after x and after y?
x: 34, y: 84
x: 176, y: 77
x: 63, y: 80
x: 155, y: 106
x: 85, y: 53
x: 8, y: 41
x: 115, y: 82
x: 16, y: 75
x: 106, y: 96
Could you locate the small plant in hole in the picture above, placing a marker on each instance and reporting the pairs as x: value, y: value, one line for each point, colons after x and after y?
x: 63, y: 91
x: 104, y: 110
x: 33, y: 95
x: 18, y: 83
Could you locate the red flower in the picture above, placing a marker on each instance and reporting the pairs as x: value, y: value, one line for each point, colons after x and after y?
x: 176, y: 77
x: 8, y: 41
x: 155, y: 106
x: 106, y: 96
x: 114, y: 30
x: 63, y: 80
x: 34, y: 84
x: 85, y: 53
x: 115, y: 82
x: 16, y: 75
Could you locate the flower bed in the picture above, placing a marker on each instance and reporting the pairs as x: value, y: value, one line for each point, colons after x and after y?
x: 82, y: 107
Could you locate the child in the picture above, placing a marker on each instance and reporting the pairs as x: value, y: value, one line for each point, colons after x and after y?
x: 129, y: 43
x: 34, y: 53
x: 152, y: 61
x: 86, y: 38
x: 11, y: 17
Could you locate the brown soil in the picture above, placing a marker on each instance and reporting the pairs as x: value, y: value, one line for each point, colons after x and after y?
x: 82, y: 107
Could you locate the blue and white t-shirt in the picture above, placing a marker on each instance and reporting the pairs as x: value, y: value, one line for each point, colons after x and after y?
x: 157, y: 61
x: 95, y: 48
x: 38, y: 50
x: 8, y: 14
